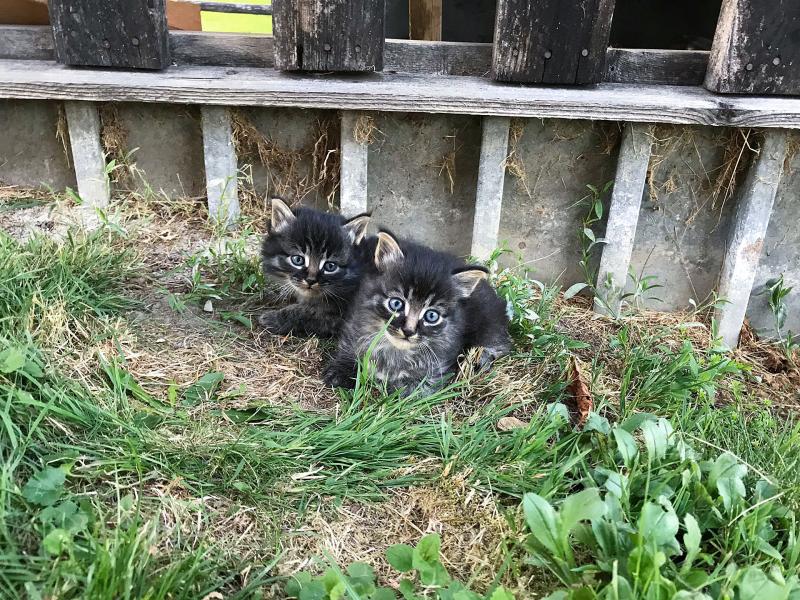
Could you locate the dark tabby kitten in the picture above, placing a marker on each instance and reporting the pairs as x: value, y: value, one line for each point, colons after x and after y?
x: 317, y: 258
x: 437, y: 307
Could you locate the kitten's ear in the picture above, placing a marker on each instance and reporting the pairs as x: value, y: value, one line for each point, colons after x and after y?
x: 387, y: 252
x: 282, y: 215
x: 356, y: 228
x: 466, y: 279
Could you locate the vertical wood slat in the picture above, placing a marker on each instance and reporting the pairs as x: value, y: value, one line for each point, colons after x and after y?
x: 222, y: 186
x: 746, y: 239
x: 756, y: 48
x: 336, y: 35
x: 354, y: 170
x: 129, y: 34
x: 83, y: 122
x: 425, y: 20
x: 551, y: 41
x: 623, y: 217
x: 491, y: 179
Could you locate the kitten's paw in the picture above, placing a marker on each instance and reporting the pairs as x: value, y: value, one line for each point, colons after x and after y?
x: 273, y: 322
x: 337, y: 378
x: 489, y: 355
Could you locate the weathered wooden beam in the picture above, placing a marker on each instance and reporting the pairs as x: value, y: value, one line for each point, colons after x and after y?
x: 747, y: 235
x: 337, y: 35
x: 396, y: 92
x: 551, y: 41
x: 83, y: 123
x: 130, y: 34
x: 623, y: 65
x: 756, y: 48
x: 425, y: 19
x: 221, y: 165
x: 238, y: 9
x: 491, y: 179
x: 354, y: 170
x: 623, y: 217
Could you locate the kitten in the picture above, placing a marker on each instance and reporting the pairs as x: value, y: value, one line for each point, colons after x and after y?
x: 436, y: 305
x: 317, y: 259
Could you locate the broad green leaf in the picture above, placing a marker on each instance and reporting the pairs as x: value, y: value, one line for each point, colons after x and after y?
x: 360, y: 570
x: 656, y: 438
x: 45, y: 486
x: 428, y: 548
x: 32, y: 591
x: 691, y: 540
x: 501, y: 593
x: 406, y: 588
x: 12, y: 360
x: 203, y: 389
x: 626, y: 445
x: 755, y: 585
x: 636, y: 420
x: 56, y: 541
x: 597, y: 423
x: 331, y: 579
x: 400, y: 556
x: 573, y: 290
x: 66, y: 515
x: 727, y: 475
x: 296, y: 583
x: 658, y: 524
x: 362, y: 579
x: 541, y: 520
x: 583, y: 506
x: 769, y: 550
x: 384, y: 593
x: 313, y: 590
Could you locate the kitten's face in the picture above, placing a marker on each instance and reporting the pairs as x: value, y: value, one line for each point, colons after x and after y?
x: 420, y: 299
x: 312, y: 253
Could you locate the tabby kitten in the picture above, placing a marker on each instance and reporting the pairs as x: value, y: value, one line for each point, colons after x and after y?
x: 317, y: 259
x: 436, y: 307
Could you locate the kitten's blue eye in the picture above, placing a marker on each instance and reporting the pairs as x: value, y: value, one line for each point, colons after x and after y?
x: 298, y: 260
x: 330, y: 267
x: 395, y: 304
x: 431, y: 316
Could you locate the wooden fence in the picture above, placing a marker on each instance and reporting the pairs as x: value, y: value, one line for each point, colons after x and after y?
x: 123, y: 51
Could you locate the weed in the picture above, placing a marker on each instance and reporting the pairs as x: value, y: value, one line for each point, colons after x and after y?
x: 777, y: 291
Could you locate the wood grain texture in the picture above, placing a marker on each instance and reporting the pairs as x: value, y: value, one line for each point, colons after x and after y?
x: 395, y: 92
x: 425, y: 20
x: 756, y: 48
x: 239, y: 9
x: 334, y: 35
x: 746, y: 240
x: 672, y: 67
x: 129, y: 34
x: 551, y: 41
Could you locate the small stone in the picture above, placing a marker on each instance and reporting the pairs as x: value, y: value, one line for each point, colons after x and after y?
x: 509, y: 423
x: 208, y: 307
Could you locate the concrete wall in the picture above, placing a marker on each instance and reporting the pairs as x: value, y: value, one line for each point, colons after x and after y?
x: 682, y: 230
x: 31, y: 154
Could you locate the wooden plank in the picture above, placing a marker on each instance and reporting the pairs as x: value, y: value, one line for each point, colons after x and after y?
x: 623, y: 217
x: 672, y: 67
x: 354, y: 170
x: 83, y: 122
x: 425, y: 19
x: 221, y: 165
x: 669, y: 67
x: 396, y: 92
x: 550, y: 41
x: 756, y: 48
x: 337, y: 35
x: 239, y: 9
x: 111, y: 33
x: 491, y: 179
x: 747, y: 235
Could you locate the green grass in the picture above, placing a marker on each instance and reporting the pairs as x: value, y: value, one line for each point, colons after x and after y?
x: 86, y: 461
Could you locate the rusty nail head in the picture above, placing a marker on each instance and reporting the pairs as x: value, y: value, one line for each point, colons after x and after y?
x: 548, y: 54
x: 135, y: 41
x: 327, y: 47
x: 584, y: 52
x: 749, y: 66
x: 776, y: 61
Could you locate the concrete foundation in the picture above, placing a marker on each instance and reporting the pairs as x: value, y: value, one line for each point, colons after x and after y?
x: 31, y: 153
x: 423, y: 177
